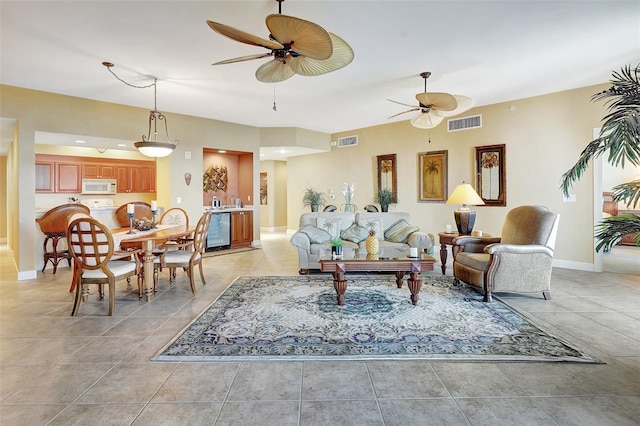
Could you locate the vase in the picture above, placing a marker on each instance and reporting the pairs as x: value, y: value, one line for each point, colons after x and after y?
x: 314, y: 207
x: 371, y: 243
x: 384, y: 207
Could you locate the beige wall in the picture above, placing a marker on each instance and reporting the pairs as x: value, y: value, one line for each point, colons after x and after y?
x: 3, y: 197
x: 274, y: 213
x: 48, y: 112
x: 543, y: 136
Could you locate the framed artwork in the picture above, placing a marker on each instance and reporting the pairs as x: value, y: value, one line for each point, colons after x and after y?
x: 432, y: 180
x: 387, y: 173
x: 491, y: 175
x: 263, y: 188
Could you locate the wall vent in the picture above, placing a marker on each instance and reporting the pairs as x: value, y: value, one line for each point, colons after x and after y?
x: 465, y: 123
x: 347, y: 141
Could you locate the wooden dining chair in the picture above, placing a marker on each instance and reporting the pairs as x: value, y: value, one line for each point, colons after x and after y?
x: 141, y: 209
x: 53, y: 225
x: 91, y: 246
x: 185, y: 254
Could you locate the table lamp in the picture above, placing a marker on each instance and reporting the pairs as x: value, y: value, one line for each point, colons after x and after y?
x: 465, y: 218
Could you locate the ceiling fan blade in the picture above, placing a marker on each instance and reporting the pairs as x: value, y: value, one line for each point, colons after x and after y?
x: 426, y: 120
x: 243, y: 58
x: 465, y: 103
x: 404, y: 112
x: 437, y: 100
x: 402, y: 103
x: 242, y: 36
x: 304, y: 37
x: 274, y: 71
x: 341, y: 57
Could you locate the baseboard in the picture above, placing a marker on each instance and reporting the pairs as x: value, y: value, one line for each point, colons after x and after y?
x: 570, y: 264
x: 273, y: 229
x: 27, y: 275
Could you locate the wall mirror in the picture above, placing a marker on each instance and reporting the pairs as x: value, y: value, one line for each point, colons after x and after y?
x: 387, y: 174
x: 491, y: 175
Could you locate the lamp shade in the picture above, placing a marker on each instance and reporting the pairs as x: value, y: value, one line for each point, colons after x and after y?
x: 465, y: 219
x: 155, y: 149
x: 465, y: 194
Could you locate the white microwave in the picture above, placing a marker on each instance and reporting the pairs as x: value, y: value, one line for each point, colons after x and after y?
x: 99, y: 186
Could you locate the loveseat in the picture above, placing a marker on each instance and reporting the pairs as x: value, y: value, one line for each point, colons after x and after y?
x: 317, y: 229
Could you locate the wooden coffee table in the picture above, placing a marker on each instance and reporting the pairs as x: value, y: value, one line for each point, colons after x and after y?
x: 393, y: 260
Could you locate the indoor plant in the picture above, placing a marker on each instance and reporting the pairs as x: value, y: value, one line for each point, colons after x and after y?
x: 313, y: 198
x: 336, y: 246
x: 384, y: 197
x: 620, y: 138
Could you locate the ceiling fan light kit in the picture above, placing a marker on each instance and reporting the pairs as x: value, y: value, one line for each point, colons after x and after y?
x: 148, y: 146
x: 297, y: 46
x: 433, y: 107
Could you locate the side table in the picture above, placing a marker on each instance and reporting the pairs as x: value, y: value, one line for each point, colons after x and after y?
x: 447, y: 239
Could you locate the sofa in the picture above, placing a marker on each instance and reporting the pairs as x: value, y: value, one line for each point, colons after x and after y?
x: 317, y: 229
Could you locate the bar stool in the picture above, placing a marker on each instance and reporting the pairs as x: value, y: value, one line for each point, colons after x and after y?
x: 53, y: 225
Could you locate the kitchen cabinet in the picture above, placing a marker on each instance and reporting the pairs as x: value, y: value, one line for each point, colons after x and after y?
x: 63, y: 173
x: 241, y: 228
x: 67, y: 177
x: 57, y: 174
x: 138, y: 178
x: 45, y: 175
x: 98, y: 171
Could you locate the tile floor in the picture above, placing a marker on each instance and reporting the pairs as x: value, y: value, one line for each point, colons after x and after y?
x: 95, y: 369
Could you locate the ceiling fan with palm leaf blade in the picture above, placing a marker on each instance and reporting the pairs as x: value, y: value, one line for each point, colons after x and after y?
x: 433, y: 107
x: 297, y: 46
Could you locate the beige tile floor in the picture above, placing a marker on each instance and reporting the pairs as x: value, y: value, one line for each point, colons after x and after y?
x: 95, y: 369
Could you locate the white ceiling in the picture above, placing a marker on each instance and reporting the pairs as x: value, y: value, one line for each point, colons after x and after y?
x: 493, y: 51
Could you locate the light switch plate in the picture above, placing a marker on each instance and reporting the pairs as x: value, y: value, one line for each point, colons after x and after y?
x: 187, y: 155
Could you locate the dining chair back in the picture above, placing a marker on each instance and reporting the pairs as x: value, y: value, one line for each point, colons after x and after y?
x: 53, y: 224
x: 188, y: 254
x: 91, y: 246
x: 175, y: 216
x: 141, y: 209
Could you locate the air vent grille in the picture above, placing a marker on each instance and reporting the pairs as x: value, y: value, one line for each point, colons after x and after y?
x: 465, y: 123
x: 347, y: 141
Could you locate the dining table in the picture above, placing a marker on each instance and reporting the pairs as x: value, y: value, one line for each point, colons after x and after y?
x: 147, y: 240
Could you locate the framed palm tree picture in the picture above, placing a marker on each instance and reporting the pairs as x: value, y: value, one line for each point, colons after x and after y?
x: 432, y: 181
x: 491, y: 176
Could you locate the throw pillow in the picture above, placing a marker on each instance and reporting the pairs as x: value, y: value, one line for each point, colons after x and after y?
x: 355, y: 233
x: 316, y: 235
x: 332, y: 226
x: 375, y: 224
x: 400, y: 231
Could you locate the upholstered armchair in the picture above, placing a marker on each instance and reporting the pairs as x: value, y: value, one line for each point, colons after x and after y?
x: 518, y: 261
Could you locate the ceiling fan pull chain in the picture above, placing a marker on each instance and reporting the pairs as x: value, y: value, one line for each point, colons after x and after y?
x: 274, y: 97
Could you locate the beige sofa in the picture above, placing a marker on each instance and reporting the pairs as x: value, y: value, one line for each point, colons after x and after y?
x: 318, y: 228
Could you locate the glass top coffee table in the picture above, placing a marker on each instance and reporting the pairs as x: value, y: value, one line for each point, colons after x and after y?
x: 388, y: 259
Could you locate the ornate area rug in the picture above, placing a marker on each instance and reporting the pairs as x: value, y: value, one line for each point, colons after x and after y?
x: 298, y: 318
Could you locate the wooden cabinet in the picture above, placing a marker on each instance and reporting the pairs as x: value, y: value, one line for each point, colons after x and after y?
x: 138, y: 178
x: 241, y: 228
x: 61, y: 173
x: 98, y: 171
x: 45, y: 175
x: 57, y: 174
x: 68, y: 177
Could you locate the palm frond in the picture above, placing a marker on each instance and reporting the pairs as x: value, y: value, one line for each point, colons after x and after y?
x: 612, y: 229
x: 628, y: 193
x: 620, y: 132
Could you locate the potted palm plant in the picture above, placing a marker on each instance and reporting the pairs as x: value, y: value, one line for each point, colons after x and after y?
x: 336, y: 246
x: 620, y: 138
x: 384, y: 197
x: 313, y: 198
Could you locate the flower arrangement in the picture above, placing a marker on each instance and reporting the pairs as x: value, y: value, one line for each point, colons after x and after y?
x: 348, y: 191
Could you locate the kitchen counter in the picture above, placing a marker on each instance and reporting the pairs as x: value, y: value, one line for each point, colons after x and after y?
x: 228, y: 209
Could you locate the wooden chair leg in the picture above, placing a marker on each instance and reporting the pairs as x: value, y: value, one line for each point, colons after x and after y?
x: 202, y: 274
x: 112, y: 297
x: 191, y: 280
x: 78, y: 298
